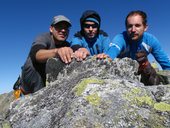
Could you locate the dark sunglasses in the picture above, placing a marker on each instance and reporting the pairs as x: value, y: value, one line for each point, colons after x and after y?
x: 90, y: 25
x: 61, y: 27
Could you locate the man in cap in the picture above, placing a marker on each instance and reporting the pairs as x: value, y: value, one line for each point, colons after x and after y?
x: 45, y: 46
x: 90, y: 40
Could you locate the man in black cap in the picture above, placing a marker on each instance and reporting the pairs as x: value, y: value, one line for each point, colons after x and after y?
x: 90, y: 40
x: 45, y: 46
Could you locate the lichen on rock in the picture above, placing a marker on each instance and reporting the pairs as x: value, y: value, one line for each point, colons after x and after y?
x: 94, y: 94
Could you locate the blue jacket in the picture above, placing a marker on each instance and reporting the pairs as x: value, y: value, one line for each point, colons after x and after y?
x: 120, y: 47
x: 96, y: 46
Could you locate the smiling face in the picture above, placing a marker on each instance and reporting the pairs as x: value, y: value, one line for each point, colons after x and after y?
x: 90, y: 29
x: 60, y: 31
x: 135, y: 27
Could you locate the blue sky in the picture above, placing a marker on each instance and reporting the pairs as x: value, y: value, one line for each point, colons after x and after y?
x: 22, y: 20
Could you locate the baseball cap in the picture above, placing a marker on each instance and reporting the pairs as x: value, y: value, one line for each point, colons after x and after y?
x: 60, y: 18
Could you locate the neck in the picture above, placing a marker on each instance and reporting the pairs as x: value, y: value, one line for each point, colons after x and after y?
x: 91, y: 40
x: 57, y: 42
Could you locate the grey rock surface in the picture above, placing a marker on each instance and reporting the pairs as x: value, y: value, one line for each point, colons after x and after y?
x: 5, y: 100
x: 93, y: 94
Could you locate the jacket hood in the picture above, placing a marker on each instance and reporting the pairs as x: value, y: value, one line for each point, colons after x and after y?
x: 89, y: 14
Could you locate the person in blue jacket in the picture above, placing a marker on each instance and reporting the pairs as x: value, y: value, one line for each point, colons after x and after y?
x: 90, y: 40
x: 137, y: 44
x: 135, y: 39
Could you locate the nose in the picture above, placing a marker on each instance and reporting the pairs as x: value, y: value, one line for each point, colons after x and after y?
x: 63, y: 29
x: 91, y: 28
x: 133, y: 28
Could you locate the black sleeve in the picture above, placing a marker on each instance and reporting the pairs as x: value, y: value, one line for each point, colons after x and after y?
x: 34, y: 50
x: 76, y: 47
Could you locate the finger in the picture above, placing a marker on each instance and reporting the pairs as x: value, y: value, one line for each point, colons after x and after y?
x: 81, y: 56
x: 101, y: 56
x: 78, y: 57
x: 68, y: 55
x: 62, y: 55
x: 85, y: 51
x: 63, y: 58
x: 84, y: 55
x: 71, y: 53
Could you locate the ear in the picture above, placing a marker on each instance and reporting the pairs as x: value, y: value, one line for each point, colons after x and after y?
x: 51, y: 29
x: 146, y: 28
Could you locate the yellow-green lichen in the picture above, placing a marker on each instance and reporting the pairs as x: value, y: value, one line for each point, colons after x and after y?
x: 6, y: 124
x: 162, y: 106
x: 134, y: 97
x: 80, y: 123
x: 155, y: 121
x: 132, y: 93
x: 83, y: 84
x: 69, y: 114
x: 98, y: 125
x: 144, y: 100
x: 93, y: 99
x: 136, y: 90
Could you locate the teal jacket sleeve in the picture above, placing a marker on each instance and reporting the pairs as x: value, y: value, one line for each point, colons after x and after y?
x: 106, y: 44
x: 159, y: 54
x: 116, y: 46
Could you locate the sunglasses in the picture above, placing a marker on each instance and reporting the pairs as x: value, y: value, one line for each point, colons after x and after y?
x: 91, y: 25
x: 62, y: 27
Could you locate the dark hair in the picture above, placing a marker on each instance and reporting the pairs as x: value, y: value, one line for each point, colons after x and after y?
x: 138, y: 12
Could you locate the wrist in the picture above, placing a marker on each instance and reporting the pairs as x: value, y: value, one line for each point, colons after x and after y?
x: 55, y: 52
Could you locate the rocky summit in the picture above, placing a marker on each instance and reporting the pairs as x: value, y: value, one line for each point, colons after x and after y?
x: 92, y: 94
